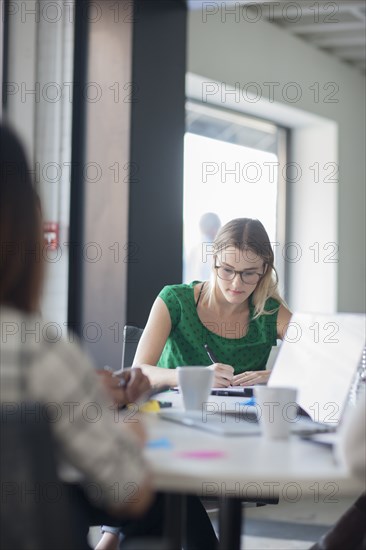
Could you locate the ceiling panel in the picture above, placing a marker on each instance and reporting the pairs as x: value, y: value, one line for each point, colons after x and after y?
x: 335, y: 27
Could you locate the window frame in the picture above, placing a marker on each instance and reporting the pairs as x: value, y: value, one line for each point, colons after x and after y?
x: 283, y: 140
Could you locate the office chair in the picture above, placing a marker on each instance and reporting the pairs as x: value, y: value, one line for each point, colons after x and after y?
x: 131, y: 337
x: 36, y: 511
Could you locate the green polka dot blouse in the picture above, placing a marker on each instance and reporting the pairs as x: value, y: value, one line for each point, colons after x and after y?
x: 188, y: 335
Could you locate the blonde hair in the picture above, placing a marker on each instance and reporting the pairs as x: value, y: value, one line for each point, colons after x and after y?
x: 247, y: 234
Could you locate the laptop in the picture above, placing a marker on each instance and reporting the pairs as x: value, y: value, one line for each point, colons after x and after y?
x: 319, y: 357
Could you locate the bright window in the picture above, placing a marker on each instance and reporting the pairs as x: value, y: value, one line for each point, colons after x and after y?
x: 230, y: 171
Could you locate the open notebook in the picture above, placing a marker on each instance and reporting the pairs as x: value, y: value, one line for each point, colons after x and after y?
x: 319, y: 357
x: 247, y: 391
x: 243, y: 391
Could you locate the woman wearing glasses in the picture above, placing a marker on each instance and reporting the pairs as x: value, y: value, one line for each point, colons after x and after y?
x: 238, y: 314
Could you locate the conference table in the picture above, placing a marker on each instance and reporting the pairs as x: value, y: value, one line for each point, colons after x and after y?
x: 235, y: 469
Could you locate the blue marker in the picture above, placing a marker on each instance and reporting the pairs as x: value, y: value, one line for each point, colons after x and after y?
x: 251, y: 402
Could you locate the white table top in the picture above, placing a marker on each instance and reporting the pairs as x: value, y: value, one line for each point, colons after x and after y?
x: 247, y: 466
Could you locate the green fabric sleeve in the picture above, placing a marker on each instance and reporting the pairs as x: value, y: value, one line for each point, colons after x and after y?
x: 171, y: 301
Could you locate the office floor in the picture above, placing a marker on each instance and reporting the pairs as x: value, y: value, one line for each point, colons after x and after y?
x: 286, y: 526
x: 289, y: 526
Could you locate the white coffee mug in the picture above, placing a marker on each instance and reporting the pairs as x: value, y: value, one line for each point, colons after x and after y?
x: 277, y: 410
x: 195, y: 385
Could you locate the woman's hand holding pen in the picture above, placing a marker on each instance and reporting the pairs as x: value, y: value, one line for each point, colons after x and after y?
x: 250, y: 378
x: 223, y: 375
x: 124, y: 386
x: 127, y: 386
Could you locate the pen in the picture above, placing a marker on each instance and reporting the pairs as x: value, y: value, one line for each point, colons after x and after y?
x: 210, y: 354
x: 122, y: 382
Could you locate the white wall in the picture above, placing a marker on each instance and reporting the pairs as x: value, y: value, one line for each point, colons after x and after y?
x: 22, y: 75
x: 241, y: 52
x: 39, y: 108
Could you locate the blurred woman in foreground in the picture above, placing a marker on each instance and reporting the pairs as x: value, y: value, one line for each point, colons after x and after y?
x: 38, y: 367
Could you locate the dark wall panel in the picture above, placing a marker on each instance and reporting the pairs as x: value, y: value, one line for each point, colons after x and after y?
x: 75, y: 285
x: 157, y: 133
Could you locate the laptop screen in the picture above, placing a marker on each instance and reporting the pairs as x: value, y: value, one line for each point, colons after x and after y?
x: 319, y: 356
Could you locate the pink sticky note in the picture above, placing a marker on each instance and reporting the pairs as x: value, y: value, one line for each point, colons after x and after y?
x: 202, y: 454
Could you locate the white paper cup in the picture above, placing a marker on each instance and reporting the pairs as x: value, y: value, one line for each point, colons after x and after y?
x: 277, y: 410
x: 195, y: 385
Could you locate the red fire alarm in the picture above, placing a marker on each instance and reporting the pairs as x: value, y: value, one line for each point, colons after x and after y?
x: 51, y: 232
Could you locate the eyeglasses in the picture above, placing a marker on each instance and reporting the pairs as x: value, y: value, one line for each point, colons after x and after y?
x: 247, y: 276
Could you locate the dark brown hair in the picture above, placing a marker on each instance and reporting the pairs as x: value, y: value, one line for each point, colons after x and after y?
x: 21, y: 264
